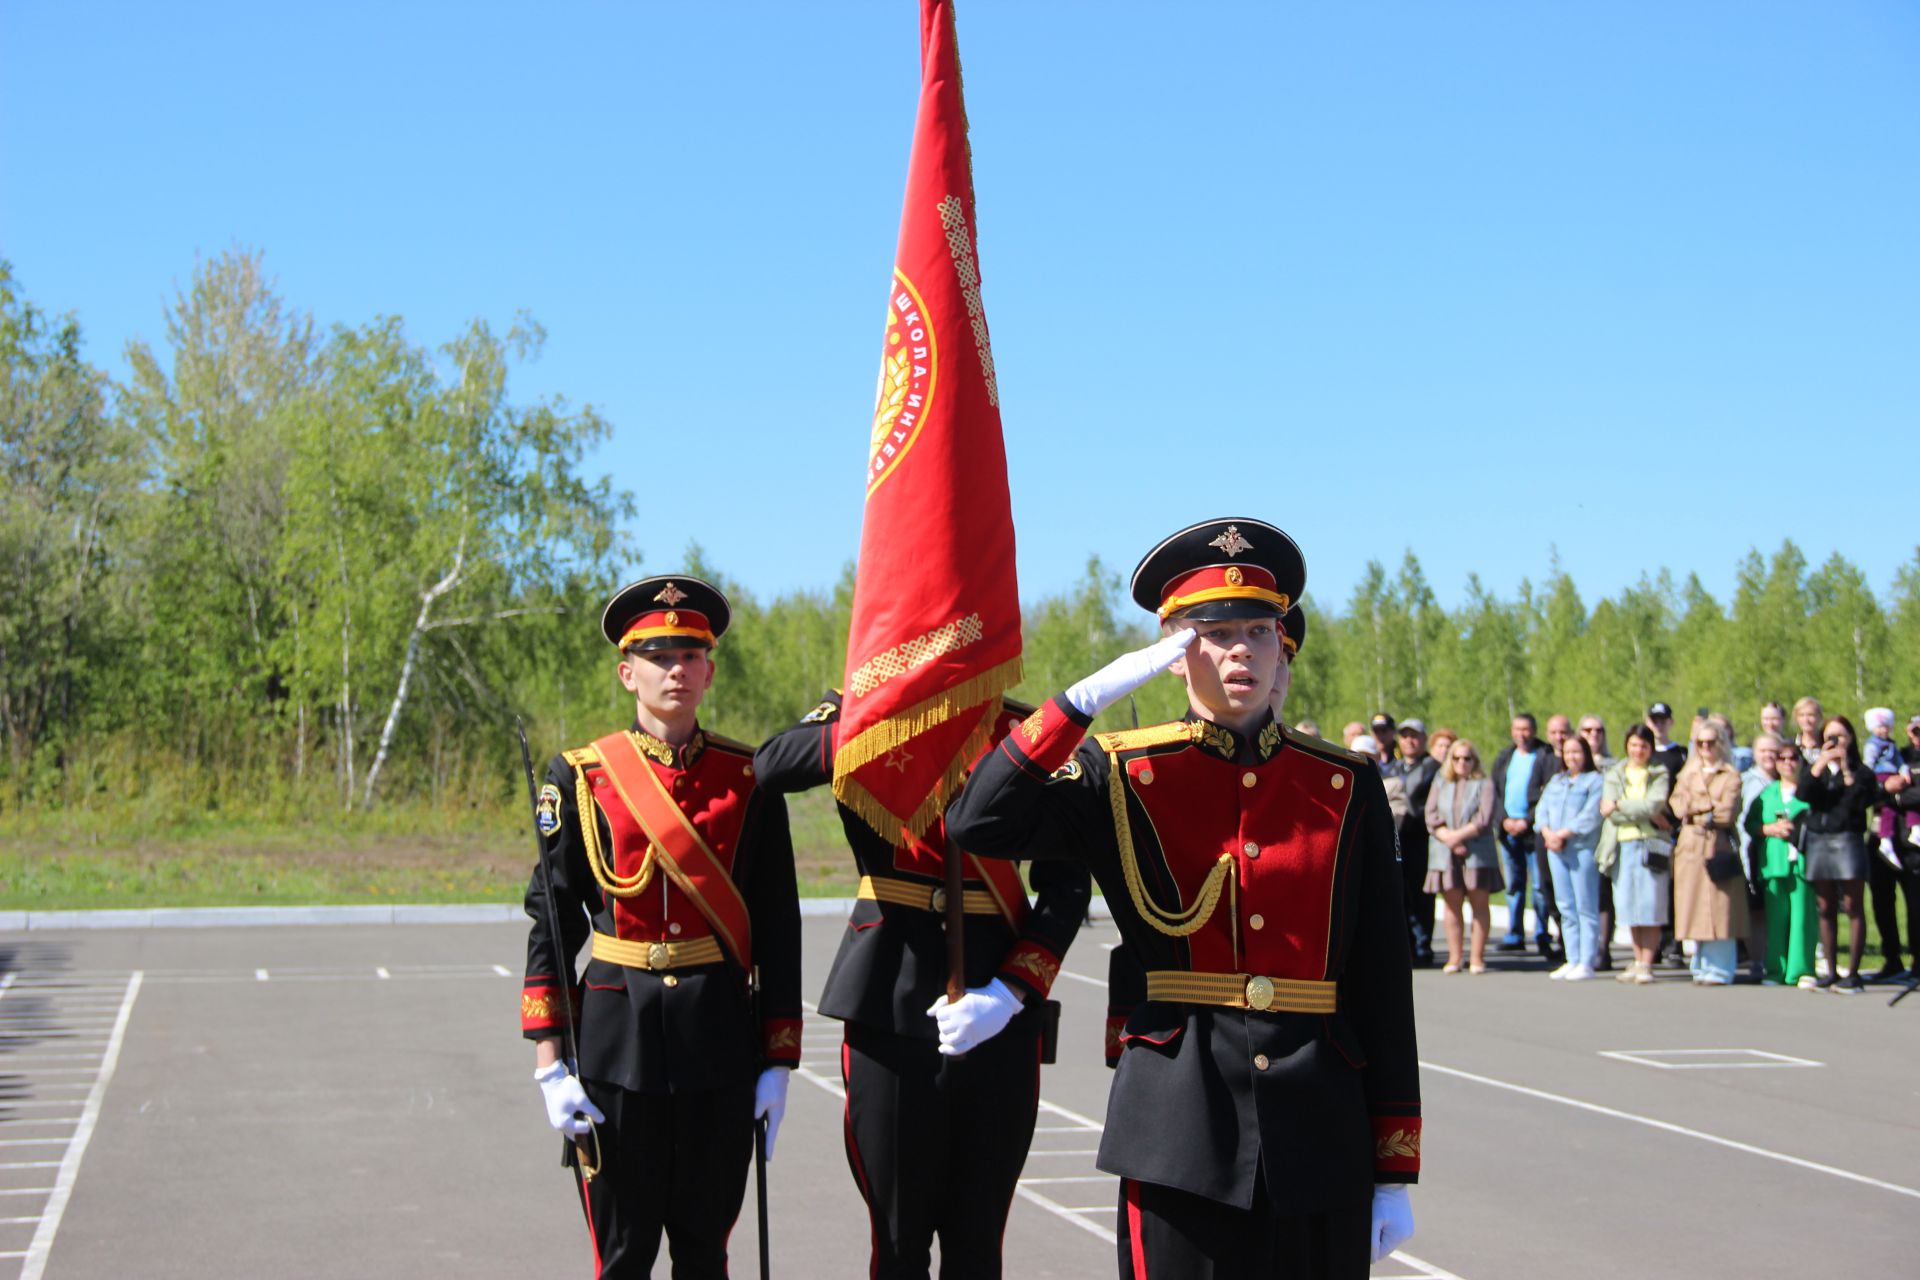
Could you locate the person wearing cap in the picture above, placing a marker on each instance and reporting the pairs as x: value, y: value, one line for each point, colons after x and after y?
x: 1671, y: 754
x: 1265, y: 1115
x: 940, y: 1100
x: 1414, y: 771
x: 659, y: 844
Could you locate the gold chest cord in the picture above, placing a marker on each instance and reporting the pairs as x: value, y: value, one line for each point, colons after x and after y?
x: 1175, y: 924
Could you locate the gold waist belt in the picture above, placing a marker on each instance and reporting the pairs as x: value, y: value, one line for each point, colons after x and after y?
x: 657, y: 955
x: 925, y: 897
x: 1243, y: 991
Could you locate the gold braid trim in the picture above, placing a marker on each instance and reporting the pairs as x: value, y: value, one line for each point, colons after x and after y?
x: 1173, y: 924
x: 611, y: 884
x: 902, y: 728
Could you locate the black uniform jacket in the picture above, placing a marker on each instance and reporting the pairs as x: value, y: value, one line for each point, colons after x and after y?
x: 687, y: 1026
x: 892, y: 963
x: 1296, y: 840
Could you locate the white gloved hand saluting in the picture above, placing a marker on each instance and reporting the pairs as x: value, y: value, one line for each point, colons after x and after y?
x: 980, y: 1015
x: 569, y: 1110
x: 770, y: 1101
x: 1392, y: 1218
x: 1126, y: 673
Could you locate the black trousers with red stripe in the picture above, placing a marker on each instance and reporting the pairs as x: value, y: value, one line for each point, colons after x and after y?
x: 672, y: 1162
x: 936, y: 1145
x: 1166, y: 1234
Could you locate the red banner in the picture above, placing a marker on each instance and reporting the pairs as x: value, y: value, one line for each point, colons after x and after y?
x: 935, y: 638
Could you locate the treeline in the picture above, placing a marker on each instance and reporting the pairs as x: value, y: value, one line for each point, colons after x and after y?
x: 283, y: 572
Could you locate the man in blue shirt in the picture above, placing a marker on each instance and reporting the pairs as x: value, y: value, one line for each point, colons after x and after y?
x: 1520, y: 774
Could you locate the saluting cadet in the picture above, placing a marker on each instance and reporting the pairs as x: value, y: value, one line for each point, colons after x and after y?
x: 1265, y: 1115
x: 940, y: 1098
x: 685, y: 865
x: 1126, y: 978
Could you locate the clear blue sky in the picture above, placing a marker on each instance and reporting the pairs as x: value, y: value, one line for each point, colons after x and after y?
x: 1635, y: 279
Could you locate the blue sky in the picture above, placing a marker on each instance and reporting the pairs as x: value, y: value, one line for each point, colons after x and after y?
x: 1632, y: 280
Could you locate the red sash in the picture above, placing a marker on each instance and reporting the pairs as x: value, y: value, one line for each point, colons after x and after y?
x: 1003, y: 882
x: 688, y: 860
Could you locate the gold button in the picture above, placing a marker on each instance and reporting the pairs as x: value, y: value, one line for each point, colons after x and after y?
x: 1248, y: 778
x: 671, y: 980
x: 1256, y: 921
x: 658, y: 955
x: 1338, y: 782
x: 674, y: 927
x: 938, y: 900
x: 746, y: 770
x: 1259, y: 1062
x: 1253, y: 853
x: 1251, y: 849
x: 1146, y: 776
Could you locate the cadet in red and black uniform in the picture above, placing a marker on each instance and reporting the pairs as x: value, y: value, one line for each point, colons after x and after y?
x: 1265, y: 1114
x: 1126, y: 979
x: 685, y: 865
x: 935, y: 1140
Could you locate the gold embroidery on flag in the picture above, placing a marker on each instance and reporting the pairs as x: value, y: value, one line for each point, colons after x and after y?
x: 954, y: 218
x: 917, y: 652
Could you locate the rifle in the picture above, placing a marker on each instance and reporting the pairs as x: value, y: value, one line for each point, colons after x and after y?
x: 581, y: 1154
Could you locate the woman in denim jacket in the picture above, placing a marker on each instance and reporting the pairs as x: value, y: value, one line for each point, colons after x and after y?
x: 1568, y: 821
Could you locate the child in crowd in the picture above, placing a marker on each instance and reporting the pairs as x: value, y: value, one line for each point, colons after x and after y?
x: 1882, y: 756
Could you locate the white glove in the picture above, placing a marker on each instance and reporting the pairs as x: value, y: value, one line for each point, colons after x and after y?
x: 1392, y: 1218
x: 569, y: 1109
x: 770, y: 1101
x: 981, y: 1014
x: 1126, y: 673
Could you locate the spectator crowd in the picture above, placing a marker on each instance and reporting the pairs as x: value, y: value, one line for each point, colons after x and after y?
x: 1721, y: 858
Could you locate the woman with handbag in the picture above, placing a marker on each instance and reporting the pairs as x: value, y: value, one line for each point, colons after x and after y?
x: 1775, y: 821
x: 1635, y: 851
x: 1838, y: 787
x: 1709, y: 884
x: 1463, y: 862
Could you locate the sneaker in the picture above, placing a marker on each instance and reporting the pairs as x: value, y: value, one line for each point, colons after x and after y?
x: 1711, y: 980
x: 1629, y: 974
x: 1642, y: 976
x: 1510, y: 944
x: 1561, y: 972
x: 1825, y: 981
x: 1851, y: 985
x: 1808, y: 982
x: 1579, y: 973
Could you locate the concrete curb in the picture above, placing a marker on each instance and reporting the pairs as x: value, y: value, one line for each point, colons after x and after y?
x: 400, y: 913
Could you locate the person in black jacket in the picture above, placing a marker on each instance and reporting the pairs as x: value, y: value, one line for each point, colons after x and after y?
x: 659, y: 844
x: 1265, y: 1115
x: 939, y: 1115
x: 1838, y: 789
x: 1416, y: 771
x: 1513, y: 808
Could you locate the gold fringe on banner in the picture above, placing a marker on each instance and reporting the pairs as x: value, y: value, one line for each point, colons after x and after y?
x: 899, y: 730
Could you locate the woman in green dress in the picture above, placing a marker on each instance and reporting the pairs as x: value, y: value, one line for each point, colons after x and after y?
x: 1791, y: 922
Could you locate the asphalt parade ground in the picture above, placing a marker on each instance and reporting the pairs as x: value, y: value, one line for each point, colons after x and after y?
x: 355, y: 1102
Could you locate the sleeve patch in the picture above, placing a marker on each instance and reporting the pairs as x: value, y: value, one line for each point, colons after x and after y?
x: 547, y: 812
x: 820, y: 714
x: 1066, y: 772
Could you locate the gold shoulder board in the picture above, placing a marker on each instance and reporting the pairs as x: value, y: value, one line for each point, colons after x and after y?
x: 728, y: 744
x: 1158, y: 735
x: 581, y: 757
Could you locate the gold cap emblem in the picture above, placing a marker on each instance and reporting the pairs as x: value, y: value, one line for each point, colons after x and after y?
x: 1231, y: 542
x: 673, y: 619
x: 1234, y: 576
x: 671, y: 594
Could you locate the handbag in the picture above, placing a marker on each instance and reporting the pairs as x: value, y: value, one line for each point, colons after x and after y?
x: 1658, y: 851
x: 1724, y: 863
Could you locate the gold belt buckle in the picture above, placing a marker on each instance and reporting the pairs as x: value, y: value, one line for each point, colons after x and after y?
x: 937, y: 901
x: 1260, y: 993
x: 658, y: 956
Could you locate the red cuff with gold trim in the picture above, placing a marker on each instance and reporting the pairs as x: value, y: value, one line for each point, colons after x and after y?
x: 1046, y: 740
x: 1396, y: 1148
x: 543, y: 1009
x: 781, y: 1041
x: 1031, y: 965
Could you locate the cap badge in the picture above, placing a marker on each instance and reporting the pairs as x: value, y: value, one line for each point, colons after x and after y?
x: 671, y: 594
x: 673, y: 619
x: 1231, y: 542
x: 1234, y: 576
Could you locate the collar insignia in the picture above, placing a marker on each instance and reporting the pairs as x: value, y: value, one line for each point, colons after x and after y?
x: 1269, y: 740
x: 1215, y: 739
x: 673, y: 595
x: 1231, y: 542
x: 655, y: 749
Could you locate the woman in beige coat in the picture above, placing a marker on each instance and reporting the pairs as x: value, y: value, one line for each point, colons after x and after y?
x: 1710, y: 911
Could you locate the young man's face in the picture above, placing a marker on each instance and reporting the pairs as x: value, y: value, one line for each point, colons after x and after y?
x: 1521, y: 731
x: 1232, y: 667
x: 668, y: 683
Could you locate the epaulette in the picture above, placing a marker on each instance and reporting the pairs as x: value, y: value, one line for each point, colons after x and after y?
x: 723, y: 743
x: 581, y: 757
x: 1158, y: 735
x: 1330, y: 750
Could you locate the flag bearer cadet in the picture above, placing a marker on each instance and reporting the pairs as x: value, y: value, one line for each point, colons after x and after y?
x: 686, y: 868
x: 940, y: 1100
x: 1265, y: 1115
x: 1126, y: 980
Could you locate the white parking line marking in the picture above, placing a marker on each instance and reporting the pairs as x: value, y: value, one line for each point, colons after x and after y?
x: 1426, y: 1269
x: 382, y: 974
x: 1077, y: 1151
x: 1682, y: 1130
x: 29, y: 1164
x: 1081, y: 977
x: 33, y: 1142
x: 30, y: 1218
x: 1077, y: 1177
x: 259, y: 975
x: 42, y: 1245
x: 1712, y: 1059
x: 1061, y: 1211
x: 25, y: 1191
x: 503, y: 971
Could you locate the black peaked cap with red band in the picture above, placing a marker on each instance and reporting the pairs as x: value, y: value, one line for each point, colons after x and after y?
x: 1238, y: 568
x: 1293, y: 631
x: 668, y: 612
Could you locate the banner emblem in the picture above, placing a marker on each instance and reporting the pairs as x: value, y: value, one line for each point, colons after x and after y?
x: 908, y: 363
